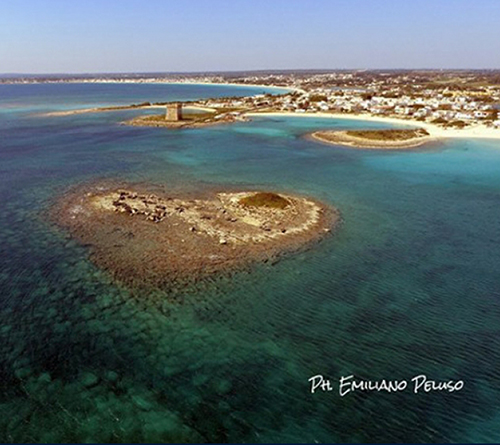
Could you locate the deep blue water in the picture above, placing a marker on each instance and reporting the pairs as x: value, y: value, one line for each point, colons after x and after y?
x: 408, y: 285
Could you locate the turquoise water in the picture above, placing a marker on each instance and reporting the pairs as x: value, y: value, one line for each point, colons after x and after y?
x: 407, y: 286
x: 59, y: 97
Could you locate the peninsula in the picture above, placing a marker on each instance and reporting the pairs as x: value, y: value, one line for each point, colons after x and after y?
x: 157, y: 238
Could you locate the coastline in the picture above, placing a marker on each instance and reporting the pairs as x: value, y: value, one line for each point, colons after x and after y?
x: 252, y: 85
x: 433, y: 130
x: 159, y: 82
x: 153, y: 106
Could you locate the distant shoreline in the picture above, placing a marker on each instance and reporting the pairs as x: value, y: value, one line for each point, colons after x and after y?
x: 435, y: 131
x: 155, y: 82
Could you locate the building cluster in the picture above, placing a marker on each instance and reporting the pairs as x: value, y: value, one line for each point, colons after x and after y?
x: 439, y: 108
x: 449, y: 99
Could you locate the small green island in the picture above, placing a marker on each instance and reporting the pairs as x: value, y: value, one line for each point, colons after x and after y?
x: 378, y: 139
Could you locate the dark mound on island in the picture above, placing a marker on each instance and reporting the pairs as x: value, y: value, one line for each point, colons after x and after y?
x: 379, y: 139
x: 265, y: 199
x: 159, y: 239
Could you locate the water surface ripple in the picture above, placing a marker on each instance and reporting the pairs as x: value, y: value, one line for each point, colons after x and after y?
x: 407, y: 286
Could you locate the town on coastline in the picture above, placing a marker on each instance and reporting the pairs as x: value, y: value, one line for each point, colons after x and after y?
x: 446, y: 99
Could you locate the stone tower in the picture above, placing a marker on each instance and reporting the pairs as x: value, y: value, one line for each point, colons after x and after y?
x: 174, y: 112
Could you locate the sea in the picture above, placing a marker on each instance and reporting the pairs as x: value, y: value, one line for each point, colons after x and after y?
x: 408, y: 286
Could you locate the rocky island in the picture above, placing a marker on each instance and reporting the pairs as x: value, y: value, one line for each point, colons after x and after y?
x: 176, y: 115
x: 156, y: 239
x: 378, y: 139
x: 188, y: 120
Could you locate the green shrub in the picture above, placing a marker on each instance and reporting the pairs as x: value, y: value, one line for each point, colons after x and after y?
x: 265, y: 199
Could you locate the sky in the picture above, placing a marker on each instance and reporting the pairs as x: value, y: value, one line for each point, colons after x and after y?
x: 91, y: 36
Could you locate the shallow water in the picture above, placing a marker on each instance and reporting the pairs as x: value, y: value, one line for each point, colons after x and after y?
x: 407, y: 286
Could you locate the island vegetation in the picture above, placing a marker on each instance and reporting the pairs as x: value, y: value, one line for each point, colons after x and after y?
x: 378, y: 139
x: 265, y: 199
x: 388, y: 135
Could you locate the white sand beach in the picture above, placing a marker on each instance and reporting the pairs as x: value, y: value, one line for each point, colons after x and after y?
x: 478, y: 131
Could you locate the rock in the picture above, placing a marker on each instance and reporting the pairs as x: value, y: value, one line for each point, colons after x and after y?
x: 89, y: 379
x: 142, y: 403
x: 223, y: 386
x: 111, y: 376
x: 200, y: 379
x: 206, y: 218
x: 23, y: 373
x: 44, y: 378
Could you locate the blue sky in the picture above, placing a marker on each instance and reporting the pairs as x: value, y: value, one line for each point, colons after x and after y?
x: 72, y: 36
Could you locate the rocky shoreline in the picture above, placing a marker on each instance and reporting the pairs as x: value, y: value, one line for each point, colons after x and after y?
x: 159, y: 121
x: 157, y: 240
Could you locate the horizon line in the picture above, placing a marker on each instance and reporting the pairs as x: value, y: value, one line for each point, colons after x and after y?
x: 83, y: 73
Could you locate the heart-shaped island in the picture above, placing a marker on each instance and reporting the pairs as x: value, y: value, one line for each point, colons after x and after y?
x: 155, y: 239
